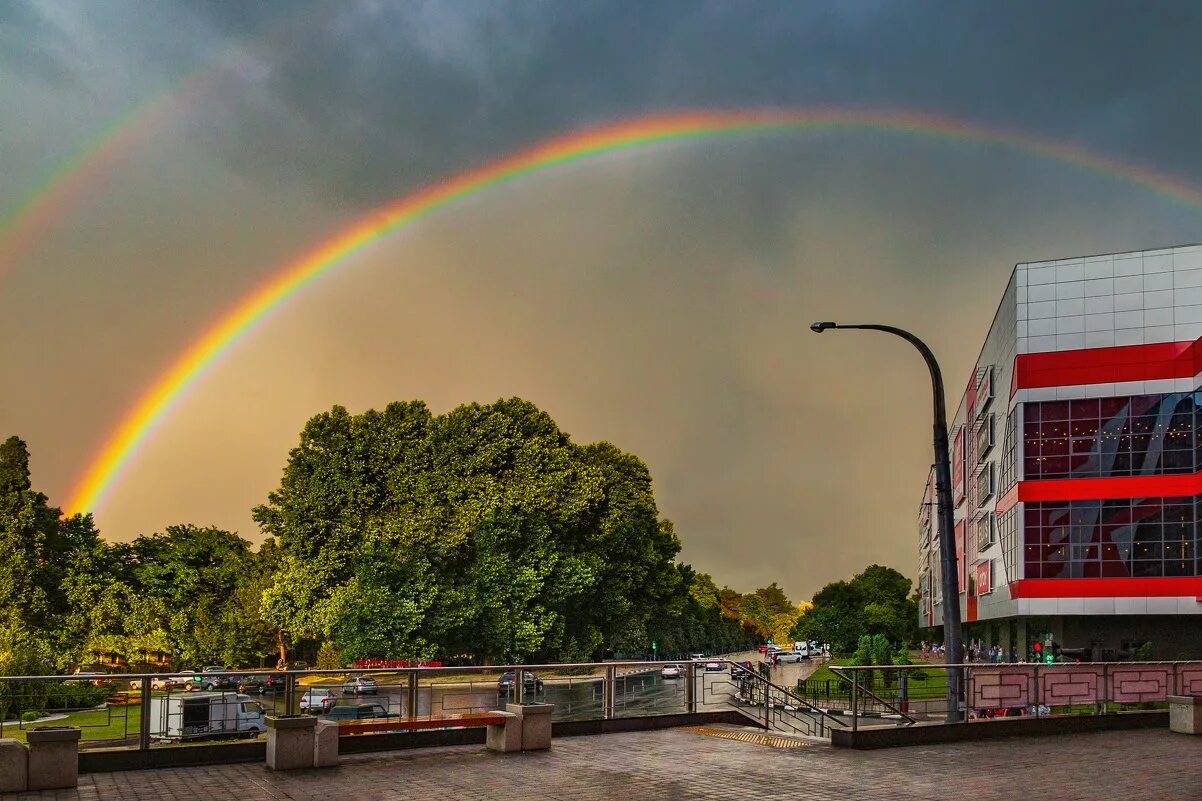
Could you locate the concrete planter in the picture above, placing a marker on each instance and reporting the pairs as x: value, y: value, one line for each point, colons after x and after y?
x: 53, y: 757
x: 325, y: 744
x: 290, y: 742
x: 535, y: 722
x: 1185, y: 714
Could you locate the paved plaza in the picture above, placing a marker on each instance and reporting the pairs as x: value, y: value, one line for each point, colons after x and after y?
x: 677, y: 764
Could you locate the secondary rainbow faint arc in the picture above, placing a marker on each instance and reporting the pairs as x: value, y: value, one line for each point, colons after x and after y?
x: 137, y: 423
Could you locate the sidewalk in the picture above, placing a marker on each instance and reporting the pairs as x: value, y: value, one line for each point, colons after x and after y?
x: 680, y: 764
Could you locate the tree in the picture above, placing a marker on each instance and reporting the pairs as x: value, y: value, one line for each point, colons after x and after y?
x: 874, y: 602
x: 46, y: 558
x: 485, y: 532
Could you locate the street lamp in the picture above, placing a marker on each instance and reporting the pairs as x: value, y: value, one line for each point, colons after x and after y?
x: 943, y: 501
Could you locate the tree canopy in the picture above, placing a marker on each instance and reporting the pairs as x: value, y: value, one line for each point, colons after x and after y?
x: 874, y: 602
x: 484, y: 532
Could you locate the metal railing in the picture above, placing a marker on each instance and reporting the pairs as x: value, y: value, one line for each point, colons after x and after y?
x: 774, y: 707
x: 906, y: 694
x: 150, y: 710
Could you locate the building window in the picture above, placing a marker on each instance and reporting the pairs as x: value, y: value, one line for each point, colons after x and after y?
x: 1112, y: 538
x: 984, y: 485
x: 1007, y: 525
x: 1009, y: 459
x: 1124, y: 436
x: 984, y: 436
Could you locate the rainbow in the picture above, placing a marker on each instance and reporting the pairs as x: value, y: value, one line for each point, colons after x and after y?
x: 72, y: 179
x: 60, y: 189
x: 136, y: 425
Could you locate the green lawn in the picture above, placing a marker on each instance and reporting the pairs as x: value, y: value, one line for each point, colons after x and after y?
x: 109, y: 724
x: 933, y: 683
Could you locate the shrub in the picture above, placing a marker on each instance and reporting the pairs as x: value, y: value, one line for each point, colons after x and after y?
x: 329, y: 657
x: 32, y: 715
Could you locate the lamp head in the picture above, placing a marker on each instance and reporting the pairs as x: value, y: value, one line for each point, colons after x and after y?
x: 818, y: 328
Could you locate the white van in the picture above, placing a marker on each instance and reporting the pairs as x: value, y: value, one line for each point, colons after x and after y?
x: 200, y: 716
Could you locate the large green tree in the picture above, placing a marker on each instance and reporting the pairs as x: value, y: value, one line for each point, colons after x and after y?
x: 874, y: 602
x: 46, y: 557
x: 485, y: 533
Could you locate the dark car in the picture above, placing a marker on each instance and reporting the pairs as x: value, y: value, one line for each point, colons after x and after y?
x: 534, y: 685
x: 360, y: 685
x: 261, y: 683
x: 357, y: 712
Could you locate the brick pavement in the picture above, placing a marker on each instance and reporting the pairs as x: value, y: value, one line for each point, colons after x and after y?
x: 677, y: 764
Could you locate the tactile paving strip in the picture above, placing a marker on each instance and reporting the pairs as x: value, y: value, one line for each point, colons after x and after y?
x: 748, y: 737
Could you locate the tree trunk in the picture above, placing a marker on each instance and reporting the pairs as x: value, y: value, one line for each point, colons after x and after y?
x: 281, y: 645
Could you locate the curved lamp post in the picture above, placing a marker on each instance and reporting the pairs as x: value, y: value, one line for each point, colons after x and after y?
x: 943, y: 501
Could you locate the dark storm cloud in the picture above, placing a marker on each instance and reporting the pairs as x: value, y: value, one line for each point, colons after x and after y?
x: 33, y: 46
x: 374, y: 97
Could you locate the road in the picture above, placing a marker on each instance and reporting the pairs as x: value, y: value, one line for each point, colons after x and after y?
x: 637, y: 693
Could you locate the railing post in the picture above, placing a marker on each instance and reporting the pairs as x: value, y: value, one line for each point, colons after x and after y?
x: 289, y: 684
x: 965, y: 688
x: 411, y: 695
x: 690, y: 690
x: 609, y: 688
x: 855, y: 701
x: 519, y: 686
x: 1037, y: 696
x: 1105, y: 707
x: 767, y: 705
x: 144, y: 717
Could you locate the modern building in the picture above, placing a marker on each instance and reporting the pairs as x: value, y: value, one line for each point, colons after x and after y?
x: 1077, y: 463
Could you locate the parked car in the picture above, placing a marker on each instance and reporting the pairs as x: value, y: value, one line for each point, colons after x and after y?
x: 670, y: 671
x: 200, y: 680
x: 793, y: 656
x: 713, y: 666
x: 157, y: 683
x: 696, y: 657
x: 357, y: 712
x: 317, y: 700
x: 360, y: 685
x: 505, y: 685
x: 261, y: 683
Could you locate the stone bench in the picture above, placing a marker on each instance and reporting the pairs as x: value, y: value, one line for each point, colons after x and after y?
x: 1185, y: 714
x: 504, y: 728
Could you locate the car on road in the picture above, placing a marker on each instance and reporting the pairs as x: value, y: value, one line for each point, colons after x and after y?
x: 696, y: 657
x: 714, y: 666
x: 317, y: 699
x: 792, y: 656
x: 360, y: 685
x: 357, y: 712
x: 261, y: 683
x: 157, y: 683
x: 670, y: 671
x: 200, y: 680
x: 534, y: 685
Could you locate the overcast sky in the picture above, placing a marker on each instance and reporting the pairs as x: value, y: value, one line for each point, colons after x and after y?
x: 658, y: 298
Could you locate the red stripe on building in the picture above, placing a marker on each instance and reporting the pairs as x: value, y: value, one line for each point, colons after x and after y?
x: 1153, y: 587
x: 1006, y: 502
x: 1067, y: 368
x: 1093, y: 489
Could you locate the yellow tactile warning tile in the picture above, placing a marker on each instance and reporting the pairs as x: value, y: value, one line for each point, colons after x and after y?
x: 748, y: 737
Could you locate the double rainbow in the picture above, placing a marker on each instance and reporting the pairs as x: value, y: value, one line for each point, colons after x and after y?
x: 136, y: 425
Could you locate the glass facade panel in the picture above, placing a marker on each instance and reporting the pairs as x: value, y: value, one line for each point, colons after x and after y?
x: 1112, y: 538
x: 1138, y: 435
